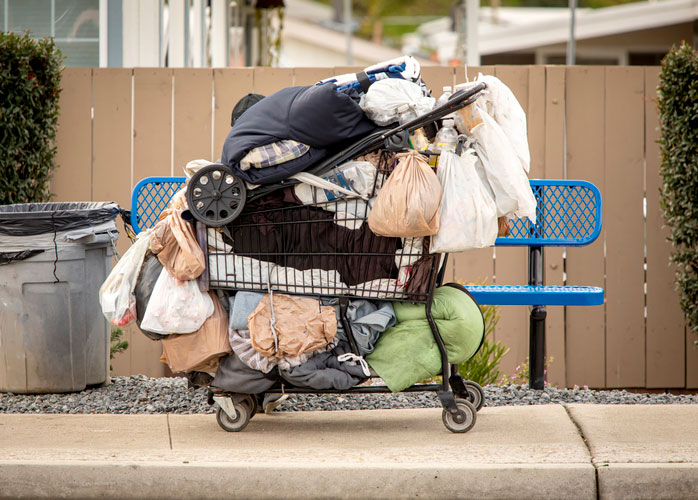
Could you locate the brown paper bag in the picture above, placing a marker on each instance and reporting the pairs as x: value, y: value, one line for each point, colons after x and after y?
x: 409, y: 203
x: 184, y: 353
x: 174, y: 242
x: 301, y: 325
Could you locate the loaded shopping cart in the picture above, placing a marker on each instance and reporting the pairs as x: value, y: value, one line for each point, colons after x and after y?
x: 297, y: 240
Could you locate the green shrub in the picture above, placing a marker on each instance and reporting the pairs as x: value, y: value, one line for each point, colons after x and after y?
x: 117, y: 344
x: 29, y: 89
x: 678, y: 117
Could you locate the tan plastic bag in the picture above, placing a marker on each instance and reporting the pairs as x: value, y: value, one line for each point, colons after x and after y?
x: 201, y: 349
x: 408, y: 205
x: 301, y: 325
x: 174, y: 242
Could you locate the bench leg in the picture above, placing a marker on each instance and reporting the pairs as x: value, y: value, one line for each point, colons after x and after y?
x: 536, y: 348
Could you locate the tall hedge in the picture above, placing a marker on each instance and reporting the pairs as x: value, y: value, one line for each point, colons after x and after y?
x: 678, y: 116
x: 30, y: 73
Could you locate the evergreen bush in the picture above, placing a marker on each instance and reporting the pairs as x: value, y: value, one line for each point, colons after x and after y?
x: 30, y: 73
x: 678, y: 117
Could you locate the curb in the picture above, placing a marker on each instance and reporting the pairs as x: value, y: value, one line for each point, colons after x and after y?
x: 87, y: 480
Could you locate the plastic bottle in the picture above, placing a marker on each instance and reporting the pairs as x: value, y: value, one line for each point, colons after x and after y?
x: 446, y: 137
x: 444, y: 97
x: 418, y: 139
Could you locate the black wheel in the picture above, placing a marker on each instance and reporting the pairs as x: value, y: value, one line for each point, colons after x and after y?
x: 476, y: 394
x: 243, y: 415
x: 215, y: 196
x: 251, y: 402
x: 462, y: 421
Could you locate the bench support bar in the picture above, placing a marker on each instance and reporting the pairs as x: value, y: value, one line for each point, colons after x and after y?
x: 536, y: 348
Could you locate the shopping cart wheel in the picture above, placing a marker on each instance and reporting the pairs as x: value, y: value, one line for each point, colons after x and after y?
x: 252, y: 404
x: 215, y: 196
x: 476, y: 394
x: 462, y: 421
x: 243, y: 413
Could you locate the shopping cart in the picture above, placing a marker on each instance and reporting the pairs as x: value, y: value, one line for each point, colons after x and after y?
x: 256, y: 241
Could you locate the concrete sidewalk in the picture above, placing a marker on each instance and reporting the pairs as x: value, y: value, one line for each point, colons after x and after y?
x: 533, y: 452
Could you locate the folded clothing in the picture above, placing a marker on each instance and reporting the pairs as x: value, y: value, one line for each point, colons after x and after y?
x: 407, y: 352
x: 273, y: 154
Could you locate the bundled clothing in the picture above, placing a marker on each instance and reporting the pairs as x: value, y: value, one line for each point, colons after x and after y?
x: 317, y: 116
x: 407, y: 352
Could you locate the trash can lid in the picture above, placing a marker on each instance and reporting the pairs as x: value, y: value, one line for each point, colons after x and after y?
x: 28, y: 219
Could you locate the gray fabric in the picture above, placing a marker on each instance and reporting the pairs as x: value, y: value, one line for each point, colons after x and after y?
x: 368, y: 322
x: 323, y: 371
x: 242, y: 304
x: 235, y: 376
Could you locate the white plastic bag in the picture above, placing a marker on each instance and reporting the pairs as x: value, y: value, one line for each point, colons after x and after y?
x: 509, y: 183
x: 176, y: 306
x: 468, y: 212
x: 509, y: 115
x: 387, y: 99
x: 116, y: 293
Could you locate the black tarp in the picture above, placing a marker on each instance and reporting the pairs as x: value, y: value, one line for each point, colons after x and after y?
x: 29, y: 219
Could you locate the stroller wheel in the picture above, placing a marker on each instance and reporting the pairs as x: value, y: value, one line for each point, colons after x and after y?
x: 215, y: 196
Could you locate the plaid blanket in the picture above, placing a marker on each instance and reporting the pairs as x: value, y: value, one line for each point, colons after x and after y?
x: 273, y: 154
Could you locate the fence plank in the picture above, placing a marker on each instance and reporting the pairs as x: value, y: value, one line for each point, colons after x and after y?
x: 546, y: 140
x: 152, y: 122
x: 112, y: 136
x: 266, y: 81
x: 511, y: 264
x: 112, y: 164
x: 193, y: 90
x: 666, y: 331
x: 436, y: 77
x: 72, y: 181
x: 624, y: 185
x: 585, y: 326
x: 152, y: 143
x: 229, y: 86
x: 310, y: 76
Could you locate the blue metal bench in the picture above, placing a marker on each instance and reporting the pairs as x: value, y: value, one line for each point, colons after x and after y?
x: 569, y: 213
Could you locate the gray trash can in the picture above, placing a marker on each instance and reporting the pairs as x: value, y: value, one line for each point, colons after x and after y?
x: 53, y: 259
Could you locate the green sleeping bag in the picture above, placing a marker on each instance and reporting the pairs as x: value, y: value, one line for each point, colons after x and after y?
x: 407, y: 352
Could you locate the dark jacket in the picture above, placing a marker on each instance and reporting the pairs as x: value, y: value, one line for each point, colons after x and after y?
x: 319, y: 116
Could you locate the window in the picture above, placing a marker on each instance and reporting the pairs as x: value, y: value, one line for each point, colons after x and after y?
x: 74, y: 25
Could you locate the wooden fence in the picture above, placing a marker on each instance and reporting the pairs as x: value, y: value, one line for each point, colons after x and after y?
x: 594, y: 123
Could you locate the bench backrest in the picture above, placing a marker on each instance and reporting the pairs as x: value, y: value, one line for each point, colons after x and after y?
x: 569, y: 212
x: 150, y: 197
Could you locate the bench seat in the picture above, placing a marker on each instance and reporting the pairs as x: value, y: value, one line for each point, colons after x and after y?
x: 525, y: 295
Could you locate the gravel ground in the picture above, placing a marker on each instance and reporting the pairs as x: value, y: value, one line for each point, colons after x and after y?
x: 140, y: 394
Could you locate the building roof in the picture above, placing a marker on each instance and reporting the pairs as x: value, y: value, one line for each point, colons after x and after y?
x: 513, y: 29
